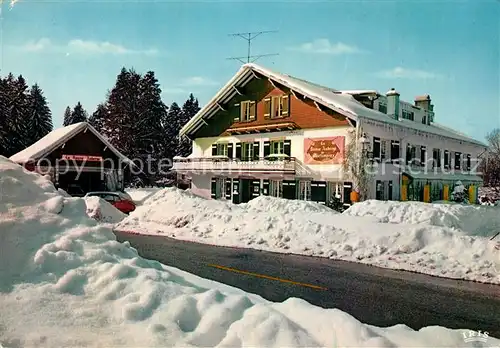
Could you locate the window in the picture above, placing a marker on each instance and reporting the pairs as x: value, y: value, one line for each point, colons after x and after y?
x: 408, y: 115
x: 458, y: 160
x: 376, y: 148
x: 394, y: 150
x: 383, y: 149
x: 423, y: 155
x: 305, y: 190
x: 276, y: 188
x: 411, y: 152
x: 436, y: 157
x: 276, y: 106
x: 247, y: 151
x: 424, y: 119
x: 248, y: 111
x: 468, y: 166
x: 218, y: 188
x: 220, y: 149
x: 447, y: 159
x: 277, y: 147
x: 382, y: 108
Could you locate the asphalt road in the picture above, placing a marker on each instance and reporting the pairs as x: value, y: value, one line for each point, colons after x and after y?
x: 373, y: 295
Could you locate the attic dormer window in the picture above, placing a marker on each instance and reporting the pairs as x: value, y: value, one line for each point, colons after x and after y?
x: 382, y: 108
x: 408, y: 115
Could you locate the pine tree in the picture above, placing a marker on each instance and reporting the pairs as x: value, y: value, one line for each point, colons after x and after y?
x: 16, y: 106
x: 189, y: 109
x: 171, y: 130
x: 67, y: 117
x: 4, y: 126
x: 16, y: 113
x: 150, y: 141
x: 97, y: 118
x: 39, y: 115
x: 78, y: 114
x: 119, y: 125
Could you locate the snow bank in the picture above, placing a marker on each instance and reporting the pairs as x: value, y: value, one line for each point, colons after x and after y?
x: 469, y: 219
x: 66, y: 282
x: 139, y: 196
x: 102, y: 211
x: 264, y: 204
x: 416, y: 240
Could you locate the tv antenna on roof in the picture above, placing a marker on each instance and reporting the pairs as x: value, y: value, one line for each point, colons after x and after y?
x: 249, y: 36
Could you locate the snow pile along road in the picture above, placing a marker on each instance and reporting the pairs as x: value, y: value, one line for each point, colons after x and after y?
x: 417, y: 238
x: 102, y: 211
x: 468, y: 219
x: 66, y: 282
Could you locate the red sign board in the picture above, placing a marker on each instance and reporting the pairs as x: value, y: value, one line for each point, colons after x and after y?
x: 329, y: 150
x: 82, y: 158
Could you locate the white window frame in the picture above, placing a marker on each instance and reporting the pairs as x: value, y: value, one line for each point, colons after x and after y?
x: 246, y: 107
x: 304, y: 190
x: 280, y: 148
x: 277, y: 103
x: 247, y: 148
x: 276, y: 188
x: 222, y: 149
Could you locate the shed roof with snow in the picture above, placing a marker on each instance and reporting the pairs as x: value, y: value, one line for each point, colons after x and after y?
x: 57, y: 138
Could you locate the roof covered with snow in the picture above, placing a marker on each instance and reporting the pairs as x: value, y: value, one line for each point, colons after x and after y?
x: 339, y: 101
x: 57, y: 138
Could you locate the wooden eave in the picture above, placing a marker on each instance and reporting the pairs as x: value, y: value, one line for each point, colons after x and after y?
x: 272, y: 127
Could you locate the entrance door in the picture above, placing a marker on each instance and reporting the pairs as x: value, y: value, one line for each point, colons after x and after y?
x: 289, y: 189
x: 318, y: 191
x: 245, y: 190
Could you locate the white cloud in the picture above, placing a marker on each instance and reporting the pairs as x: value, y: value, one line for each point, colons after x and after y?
x: 324, y: 46
x: 39, y: 45
x: 198, y: 81
x: 175, y: 90
x: 404, y: 73
x: 82, y: 47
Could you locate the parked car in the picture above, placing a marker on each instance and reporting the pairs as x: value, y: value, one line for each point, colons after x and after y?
x: 120, y: 200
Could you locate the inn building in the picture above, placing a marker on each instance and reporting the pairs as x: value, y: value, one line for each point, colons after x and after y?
x: 268, y: 133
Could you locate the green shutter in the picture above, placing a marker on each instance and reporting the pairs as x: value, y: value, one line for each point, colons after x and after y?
x: 213, y: 189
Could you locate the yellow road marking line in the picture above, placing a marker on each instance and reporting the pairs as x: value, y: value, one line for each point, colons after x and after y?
x: 267, y: 277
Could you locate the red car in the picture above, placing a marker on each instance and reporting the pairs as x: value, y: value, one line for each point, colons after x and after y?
x: 120, y: 200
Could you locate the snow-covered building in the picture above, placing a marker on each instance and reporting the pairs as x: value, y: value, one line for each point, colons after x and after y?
x: 78, y: 159
x: 269, y: 133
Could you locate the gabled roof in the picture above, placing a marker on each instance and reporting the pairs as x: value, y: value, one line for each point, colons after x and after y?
x: 339, y: 101
x: 57, y: 138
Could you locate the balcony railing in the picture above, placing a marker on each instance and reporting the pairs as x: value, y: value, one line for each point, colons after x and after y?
x: 280, y: 164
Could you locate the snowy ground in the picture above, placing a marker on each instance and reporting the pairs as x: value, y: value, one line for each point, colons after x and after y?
x: 67, y: 282
x: 448, y: 240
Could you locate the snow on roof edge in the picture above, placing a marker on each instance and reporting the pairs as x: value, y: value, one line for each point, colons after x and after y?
x: 333, y: 100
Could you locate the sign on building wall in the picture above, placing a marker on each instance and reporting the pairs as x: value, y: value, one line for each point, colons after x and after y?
x: 328, y: 150
x: 82, y: 158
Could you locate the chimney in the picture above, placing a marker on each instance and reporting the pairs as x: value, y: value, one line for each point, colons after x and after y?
x: 424, y: 102
x: 393, y: 103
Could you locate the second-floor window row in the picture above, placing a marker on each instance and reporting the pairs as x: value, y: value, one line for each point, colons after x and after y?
x: 250, y: 150
x: 270, y: 107
x: 419, y: 155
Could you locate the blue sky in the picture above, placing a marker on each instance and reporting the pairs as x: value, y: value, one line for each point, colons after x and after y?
x: 448, y: 49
